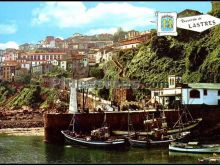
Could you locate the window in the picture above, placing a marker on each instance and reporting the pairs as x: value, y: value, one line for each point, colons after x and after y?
x: 205, y: 92
x: 155, y: 93
x: 194, y: 94
x: 219, y: 92
x: 171, y: 81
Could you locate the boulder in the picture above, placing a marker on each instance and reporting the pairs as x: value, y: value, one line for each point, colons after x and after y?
x: 25, y: 111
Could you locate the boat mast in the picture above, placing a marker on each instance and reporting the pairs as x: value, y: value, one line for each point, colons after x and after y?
x: 83, y: 99
x: 128, y: 123
x: 72, y: 123
x: 104, y: 122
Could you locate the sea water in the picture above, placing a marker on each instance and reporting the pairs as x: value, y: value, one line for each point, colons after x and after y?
x: 33, y: 149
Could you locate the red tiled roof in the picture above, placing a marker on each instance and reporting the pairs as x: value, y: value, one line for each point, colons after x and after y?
x: 10, y: 63
x: 130, y: 42
x: 48, y: 53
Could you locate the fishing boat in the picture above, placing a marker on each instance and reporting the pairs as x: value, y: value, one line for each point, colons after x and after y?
x: 194, y: 147
x: 184, y: 123
x: 146, y: 141
x: 158, y: 137
x: 98, y: 138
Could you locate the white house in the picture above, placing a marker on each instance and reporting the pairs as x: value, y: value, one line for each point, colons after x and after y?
x: 63, y: 64
x: 26, y: 65
x: 201, y: 93
x: 104, y: 54
x: 129, y: 44
x: 55, y: 62
x: 188, y: 94
x: 167, y: 96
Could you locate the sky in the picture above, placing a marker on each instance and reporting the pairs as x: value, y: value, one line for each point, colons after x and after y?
x: 29, y: 22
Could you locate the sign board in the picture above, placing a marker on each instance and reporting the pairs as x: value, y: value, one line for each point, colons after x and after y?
x: 167, y: 23
x: 197, y: 23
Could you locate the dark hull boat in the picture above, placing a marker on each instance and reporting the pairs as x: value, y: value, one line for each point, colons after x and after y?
x: 98, y: 138
x: 88, y: 141
x: 150, y: 142
x: 186, y: 127
x: 159, y: 135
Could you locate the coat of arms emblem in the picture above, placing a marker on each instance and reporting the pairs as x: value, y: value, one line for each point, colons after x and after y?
x: 166, y: 24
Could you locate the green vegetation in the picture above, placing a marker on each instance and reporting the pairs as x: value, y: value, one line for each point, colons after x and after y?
x: 119, y: 35
x: 24, y: 79
x: 96, y: 72
x: 59, y: 73
x: 6, y: 90
x: 192, y: 55
x: 28, y: 96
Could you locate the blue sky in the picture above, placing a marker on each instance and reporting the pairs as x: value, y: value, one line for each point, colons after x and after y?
x: 30, y: 22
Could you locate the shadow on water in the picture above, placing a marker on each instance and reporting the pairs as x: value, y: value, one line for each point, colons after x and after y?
x: 54, y: 153
x: 83, y: 154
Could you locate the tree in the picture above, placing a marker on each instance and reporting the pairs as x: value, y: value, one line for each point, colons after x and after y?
x: 215, y: 9
x: 96, y: 72
x: 119, y: 35
x: 103, y: 93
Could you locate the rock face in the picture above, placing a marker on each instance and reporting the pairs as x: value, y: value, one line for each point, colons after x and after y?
x: 22, y: 118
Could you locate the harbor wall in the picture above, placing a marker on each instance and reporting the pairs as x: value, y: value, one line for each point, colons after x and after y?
x: 210, y: 125
x: 85, y: 122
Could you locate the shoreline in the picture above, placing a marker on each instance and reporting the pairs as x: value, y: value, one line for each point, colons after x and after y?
x: 35, y: 131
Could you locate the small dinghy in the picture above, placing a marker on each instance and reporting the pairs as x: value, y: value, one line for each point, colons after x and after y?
x: 194, y: 147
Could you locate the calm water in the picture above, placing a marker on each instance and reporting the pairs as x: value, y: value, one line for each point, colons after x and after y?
x: 30, y: 149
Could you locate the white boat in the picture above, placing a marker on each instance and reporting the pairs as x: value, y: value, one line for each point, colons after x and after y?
x: 215, y: 159
x: 194, y: 147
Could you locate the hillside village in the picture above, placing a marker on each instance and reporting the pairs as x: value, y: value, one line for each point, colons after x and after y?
x: 29, y: 73
x: 70, y: 54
